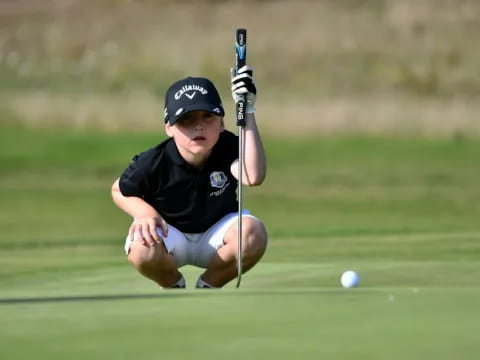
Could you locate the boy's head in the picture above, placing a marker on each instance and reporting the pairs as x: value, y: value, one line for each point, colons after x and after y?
x: 189, y: 94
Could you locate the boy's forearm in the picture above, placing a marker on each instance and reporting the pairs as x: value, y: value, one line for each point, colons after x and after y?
x: 255, y: 164
x: 132, y: 205
x: 135, y: 206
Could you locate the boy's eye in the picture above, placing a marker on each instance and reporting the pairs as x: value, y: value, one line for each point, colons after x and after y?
x: 186, y: 119
x: 190, y: 118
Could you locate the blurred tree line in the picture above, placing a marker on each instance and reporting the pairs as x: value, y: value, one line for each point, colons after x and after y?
x: 300, y: 49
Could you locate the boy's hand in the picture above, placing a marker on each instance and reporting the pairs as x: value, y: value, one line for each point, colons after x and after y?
x: 243, y: 85
x: 144, y: 228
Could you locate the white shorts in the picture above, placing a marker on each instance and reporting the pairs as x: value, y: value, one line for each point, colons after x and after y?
x: 196, y: 249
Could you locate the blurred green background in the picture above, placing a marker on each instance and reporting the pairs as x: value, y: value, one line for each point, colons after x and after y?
x: 368, y: 66
x: 369, y: 113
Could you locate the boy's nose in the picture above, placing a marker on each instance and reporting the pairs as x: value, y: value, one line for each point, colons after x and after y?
x: 198, y: 123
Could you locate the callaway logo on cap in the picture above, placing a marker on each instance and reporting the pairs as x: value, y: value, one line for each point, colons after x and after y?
x: 189, y: 94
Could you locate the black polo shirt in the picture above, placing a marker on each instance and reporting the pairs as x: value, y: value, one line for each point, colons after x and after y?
x: 188, y: 198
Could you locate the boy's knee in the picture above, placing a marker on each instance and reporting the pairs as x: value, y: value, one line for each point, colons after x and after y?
x: 256, y: 237
x: 141, y: 255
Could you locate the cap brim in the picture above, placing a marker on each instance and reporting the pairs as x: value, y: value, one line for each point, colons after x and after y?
x: 214, y: 109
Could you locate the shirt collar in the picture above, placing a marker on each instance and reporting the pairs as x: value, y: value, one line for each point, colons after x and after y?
x: 174, y: 154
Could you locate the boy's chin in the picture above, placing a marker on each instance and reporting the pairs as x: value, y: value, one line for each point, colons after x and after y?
x: 199, y: 149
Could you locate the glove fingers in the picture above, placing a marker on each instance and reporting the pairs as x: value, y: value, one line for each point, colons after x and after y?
x: 249, y: 73
x: 239, y: 85
x: 245, y: 69
x: 244, y: 87
x: 243, y: 82
x: 242, y: 77
x: 241, y: 91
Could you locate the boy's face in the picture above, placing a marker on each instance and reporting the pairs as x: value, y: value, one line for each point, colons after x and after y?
x: 195, y: 133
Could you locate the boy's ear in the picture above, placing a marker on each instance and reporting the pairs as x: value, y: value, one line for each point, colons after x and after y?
x: 222, y: 124
x: 168, y: 129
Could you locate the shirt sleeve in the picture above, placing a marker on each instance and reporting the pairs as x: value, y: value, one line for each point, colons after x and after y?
x: 133, y: 181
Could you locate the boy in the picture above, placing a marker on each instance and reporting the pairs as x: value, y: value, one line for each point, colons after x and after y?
x: 182, y: 193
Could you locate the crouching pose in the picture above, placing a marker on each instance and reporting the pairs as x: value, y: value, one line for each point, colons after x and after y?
x: 182, y: 192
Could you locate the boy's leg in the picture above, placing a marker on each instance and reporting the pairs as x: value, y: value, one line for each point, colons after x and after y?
x: 158, y: 262
x: 223, y: 265
x: 155, y: 263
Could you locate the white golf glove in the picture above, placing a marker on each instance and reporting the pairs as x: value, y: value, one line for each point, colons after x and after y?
x: 243, y: 85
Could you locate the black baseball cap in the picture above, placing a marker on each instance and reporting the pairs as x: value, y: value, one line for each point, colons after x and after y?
x: 189, y: 94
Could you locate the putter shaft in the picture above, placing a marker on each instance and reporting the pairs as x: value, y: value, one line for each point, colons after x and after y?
x: 240, y: 204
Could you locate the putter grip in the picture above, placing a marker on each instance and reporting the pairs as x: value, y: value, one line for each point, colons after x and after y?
x: 240, y: 61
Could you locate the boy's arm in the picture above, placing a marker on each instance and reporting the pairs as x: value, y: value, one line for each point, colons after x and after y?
x: 254, y: 161
x: 146, y: 218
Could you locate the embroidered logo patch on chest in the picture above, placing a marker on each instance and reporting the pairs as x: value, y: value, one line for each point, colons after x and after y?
x: 218, y: 179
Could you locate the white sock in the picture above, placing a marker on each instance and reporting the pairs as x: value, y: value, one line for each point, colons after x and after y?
x: 203, y: 284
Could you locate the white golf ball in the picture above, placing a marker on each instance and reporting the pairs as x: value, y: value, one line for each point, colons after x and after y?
x: 350, y: 279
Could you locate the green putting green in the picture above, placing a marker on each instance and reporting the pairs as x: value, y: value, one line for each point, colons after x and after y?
x: 403, y: 213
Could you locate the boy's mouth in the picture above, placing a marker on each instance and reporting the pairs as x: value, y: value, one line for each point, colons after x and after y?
x: 199, y: 138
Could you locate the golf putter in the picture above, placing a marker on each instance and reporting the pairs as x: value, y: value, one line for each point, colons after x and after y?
x: 240, y: 61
